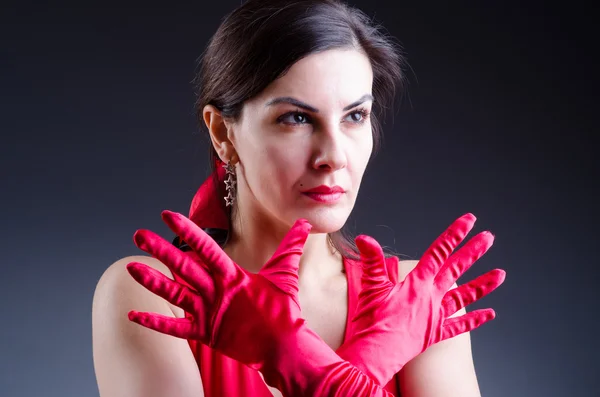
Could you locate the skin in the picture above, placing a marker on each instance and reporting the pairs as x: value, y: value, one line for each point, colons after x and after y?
x: 277, y: 155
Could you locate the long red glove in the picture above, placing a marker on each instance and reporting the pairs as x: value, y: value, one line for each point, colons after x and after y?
x: 252, y: 318
x: 396, y: 322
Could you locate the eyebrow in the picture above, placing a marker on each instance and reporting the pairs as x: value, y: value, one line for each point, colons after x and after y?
x: 300, y: 104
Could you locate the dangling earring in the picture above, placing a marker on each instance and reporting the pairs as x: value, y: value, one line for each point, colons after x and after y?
x: 230, y: 183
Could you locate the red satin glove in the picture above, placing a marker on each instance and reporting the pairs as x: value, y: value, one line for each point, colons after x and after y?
x: 396, y: 322
x: 252, y: 318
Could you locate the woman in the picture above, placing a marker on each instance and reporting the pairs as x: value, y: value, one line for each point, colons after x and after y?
x: 290, y: 93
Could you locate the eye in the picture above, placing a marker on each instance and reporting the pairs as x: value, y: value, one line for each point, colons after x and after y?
x: 298, y: 117
x: 363, y: 115
x: 293, y: 118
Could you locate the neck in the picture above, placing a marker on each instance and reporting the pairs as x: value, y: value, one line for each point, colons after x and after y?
x: 253, y: 242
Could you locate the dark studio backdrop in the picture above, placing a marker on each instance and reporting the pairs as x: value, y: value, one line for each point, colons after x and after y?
x: 98, y: 136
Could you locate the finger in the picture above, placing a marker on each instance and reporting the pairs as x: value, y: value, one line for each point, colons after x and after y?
x: 178, y: 327
x: 282, y: 268
x: 194, y: 273
x: 373, y: 260
x: 442, y: 247
x: 467, y: 322
x: 462, y: 260
x: 205, y: 247
x: 464, y: 295
x: 161, y: 285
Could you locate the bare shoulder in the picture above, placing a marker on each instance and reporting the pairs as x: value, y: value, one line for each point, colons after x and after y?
x: 130, y: 359
x: 118, y: 269
x: 116, y: 281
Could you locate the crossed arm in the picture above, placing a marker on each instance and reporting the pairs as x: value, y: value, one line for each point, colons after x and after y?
x: 162, y: 364
x: 411, y: 310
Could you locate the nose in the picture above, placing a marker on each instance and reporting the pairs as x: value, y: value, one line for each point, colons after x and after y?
x: 329, y: 153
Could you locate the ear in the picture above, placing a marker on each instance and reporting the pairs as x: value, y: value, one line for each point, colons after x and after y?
x: 221, y: 133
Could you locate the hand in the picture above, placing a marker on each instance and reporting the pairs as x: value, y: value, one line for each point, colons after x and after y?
x: 252, y: 318
x: 395, y: 322
x: 235, y: 312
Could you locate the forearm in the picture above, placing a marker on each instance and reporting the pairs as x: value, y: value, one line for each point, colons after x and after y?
x: 304, y: 365
x: 365, y: 351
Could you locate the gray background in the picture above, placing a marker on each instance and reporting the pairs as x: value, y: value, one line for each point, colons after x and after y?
x: 98, y: 136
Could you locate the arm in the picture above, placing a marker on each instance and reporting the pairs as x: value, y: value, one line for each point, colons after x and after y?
x: 445, y: 369
x: 230, y: 305
x: 134, y: 361
x: 396, y: 322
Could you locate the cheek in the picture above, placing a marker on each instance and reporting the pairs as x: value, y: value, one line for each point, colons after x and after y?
x: 287, y: 165
x: 274, y: 171
x: 362, y: 153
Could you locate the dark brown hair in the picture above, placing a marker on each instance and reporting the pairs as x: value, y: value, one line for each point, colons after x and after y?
x: 261, y: 39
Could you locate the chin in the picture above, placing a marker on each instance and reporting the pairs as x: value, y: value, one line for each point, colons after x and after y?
x: 326, y: 221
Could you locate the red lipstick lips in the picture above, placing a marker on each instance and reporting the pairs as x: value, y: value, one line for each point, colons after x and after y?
x: 324, y: 189
x: 324, y: 193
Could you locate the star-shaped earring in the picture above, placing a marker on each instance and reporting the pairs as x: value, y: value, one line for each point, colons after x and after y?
x: 230, y: 183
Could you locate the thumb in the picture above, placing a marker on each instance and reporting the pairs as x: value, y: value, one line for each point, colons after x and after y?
x: 373, y: 259
x: 282, y: 268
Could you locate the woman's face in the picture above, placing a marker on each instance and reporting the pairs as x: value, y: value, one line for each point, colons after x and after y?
x: 285, y: 148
